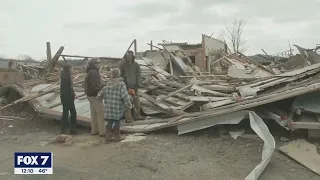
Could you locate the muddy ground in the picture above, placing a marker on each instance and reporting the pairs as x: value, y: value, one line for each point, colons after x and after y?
x: 209, y: 154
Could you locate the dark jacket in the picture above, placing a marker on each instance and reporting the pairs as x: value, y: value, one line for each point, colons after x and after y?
x: 66, y: 89
x: 92, y: 84
x: 131, y: 74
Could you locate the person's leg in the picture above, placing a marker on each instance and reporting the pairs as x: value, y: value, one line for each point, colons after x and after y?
x: 137, y: 108
x: 100, y: 117
x: 73, y: 119
x: 109, y: 133
x: 94, y: 123
x: 128, y: 116
x: 64, y: 119
x: 117, y: 137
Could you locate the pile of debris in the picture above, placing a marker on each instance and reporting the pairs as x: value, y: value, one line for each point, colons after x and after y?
x: 178, y: 94
x: 175, y: 100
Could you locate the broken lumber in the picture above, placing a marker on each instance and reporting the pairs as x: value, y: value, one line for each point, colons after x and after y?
x: 162, y: 107
x: 177, y: 91
x: 204, y: 90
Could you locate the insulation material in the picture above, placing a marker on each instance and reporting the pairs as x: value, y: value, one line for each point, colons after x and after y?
x: 261, y: 129
x: 256, y: 123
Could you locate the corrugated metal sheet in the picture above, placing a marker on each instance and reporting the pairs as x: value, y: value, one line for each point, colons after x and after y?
x: 309, y: 102
x: 82, y: 106
x: 300, y: 71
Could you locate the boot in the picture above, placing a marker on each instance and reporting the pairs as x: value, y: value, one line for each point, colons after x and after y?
x: 108, y: 135
x: 63, y: 131
x: 64, y: 128
x: 117, y: 136
x: 73, y: 122
x: 137, y: 109
x: 128, y: 116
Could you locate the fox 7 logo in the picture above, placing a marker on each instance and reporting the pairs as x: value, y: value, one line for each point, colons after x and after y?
x: 32, y: 160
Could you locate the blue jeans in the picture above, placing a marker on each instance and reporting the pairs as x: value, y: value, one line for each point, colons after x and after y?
x: 113, y: 124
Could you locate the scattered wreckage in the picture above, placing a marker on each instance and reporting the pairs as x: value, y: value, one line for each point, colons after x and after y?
x: 176, y: 93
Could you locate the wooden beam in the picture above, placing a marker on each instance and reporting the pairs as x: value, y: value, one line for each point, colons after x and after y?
x: 177, y: 91
x: 48, y: 52
x: 128, y: 48
x: 64, y: 59
x: 204, y: 90
x: 135, y: 47
x: 55, y: 58
x: 160, y: 106
x: 75, y: 56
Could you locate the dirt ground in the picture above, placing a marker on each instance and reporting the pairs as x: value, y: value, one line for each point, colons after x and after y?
x: 162, y: 156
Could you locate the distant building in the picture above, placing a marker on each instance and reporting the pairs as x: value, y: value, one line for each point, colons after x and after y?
x: 10, y: 74
x: 201, y: 54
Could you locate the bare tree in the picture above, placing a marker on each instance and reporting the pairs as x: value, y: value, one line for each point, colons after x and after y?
x: 25, y: 57
x: 2, y: 56
x: 232, y: 35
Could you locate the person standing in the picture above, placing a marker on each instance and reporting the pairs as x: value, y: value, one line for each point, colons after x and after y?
x: 116, y: 100
x: 67, y: 96
x: 131, y: 73
x: 92, y: 86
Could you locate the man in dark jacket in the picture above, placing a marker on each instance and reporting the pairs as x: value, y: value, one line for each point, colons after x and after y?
x: 131, y: 74
x: 93, y: 86
x: 67, y: 96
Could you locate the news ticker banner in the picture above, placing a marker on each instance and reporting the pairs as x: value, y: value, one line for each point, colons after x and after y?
x: 33, y: 162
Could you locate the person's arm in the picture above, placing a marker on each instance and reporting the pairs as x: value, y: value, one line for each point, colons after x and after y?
x: 73, y: 94
x: 95, y: 81
x: 138, y: 75
x: 101, y: 93
x: 70, y: 84
x: 125, y: 96
x: 61, y: 86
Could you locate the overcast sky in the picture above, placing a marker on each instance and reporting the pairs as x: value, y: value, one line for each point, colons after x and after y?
x: 106, y: 28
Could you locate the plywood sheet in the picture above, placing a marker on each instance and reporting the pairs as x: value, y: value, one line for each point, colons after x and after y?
x: 304, y: 153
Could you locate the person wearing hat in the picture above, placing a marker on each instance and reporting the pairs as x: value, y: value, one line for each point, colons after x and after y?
x: 67, y: 96
x: 131, y: 74
x: 92, y: 87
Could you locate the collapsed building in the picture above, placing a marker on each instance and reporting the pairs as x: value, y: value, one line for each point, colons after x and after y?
x: 174, y: 87
x: 193, y: 87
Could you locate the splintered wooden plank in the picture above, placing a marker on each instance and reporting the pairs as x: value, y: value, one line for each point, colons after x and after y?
x: 177, y: 91
x: 204, y: 90
x: 177, y: 101
x: 182, y: 97
x: 207, y: 99
x: 220, y: 88
x: 147, y: 107
x: 304, y: 153
x: 211, y: 105
x: 53, y: 97
x: 160, y: 105
x: 179, y: 104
